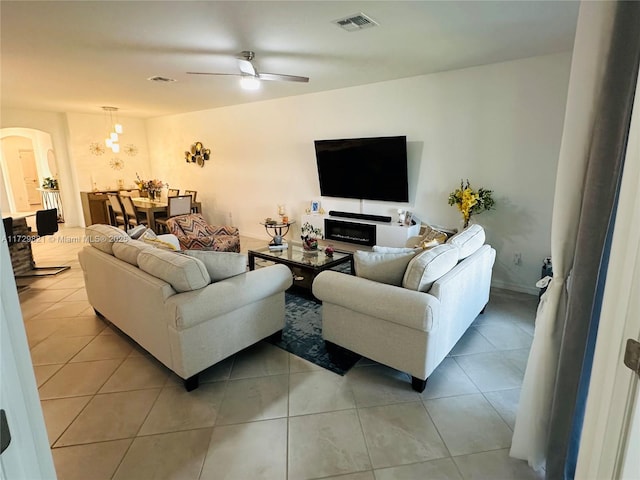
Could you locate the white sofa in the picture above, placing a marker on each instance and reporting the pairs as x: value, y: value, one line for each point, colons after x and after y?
x: 412, y: 321
x: 189, y: 312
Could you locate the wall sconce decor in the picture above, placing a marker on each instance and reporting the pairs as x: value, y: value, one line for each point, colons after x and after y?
x: 197, y: 154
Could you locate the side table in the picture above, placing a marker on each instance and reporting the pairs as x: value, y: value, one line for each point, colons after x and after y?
x: 277, y: 231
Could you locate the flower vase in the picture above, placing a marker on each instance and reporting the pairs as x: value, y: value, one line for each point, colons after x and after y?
x: 309, y: 244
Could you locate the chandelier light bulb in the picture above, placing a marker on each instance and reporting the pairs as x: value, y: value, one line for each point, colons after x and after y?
x: 115, y: 147
x: 249, y: 83
x: 118, y: 128
x: 108, y: 142
x: 114, y: 137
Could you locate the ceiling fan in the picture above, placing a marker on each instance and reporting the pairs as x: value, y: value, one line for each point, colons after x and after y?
x: 250, y: 77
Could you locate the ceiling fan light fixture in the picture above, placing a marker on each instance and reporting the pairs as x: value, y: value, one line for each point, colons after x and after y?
x: 249, y: 83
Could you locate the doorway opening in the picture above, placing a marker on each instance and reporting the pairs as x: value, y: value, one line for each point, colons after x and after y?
x: 26, y: 159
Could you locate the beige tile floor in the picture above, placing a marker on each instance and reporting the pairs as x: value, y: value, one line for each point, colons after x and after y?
x: 112, y: 411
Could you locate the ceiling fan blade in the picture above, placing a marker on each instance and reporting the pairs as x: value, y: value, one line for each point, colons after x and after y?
x: 282, y: 78
x: 246, y: 67
x: 211, y: 73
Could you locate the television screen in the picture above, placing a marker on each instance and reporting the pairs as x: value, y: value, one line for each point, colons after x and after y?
x: 363, y: 168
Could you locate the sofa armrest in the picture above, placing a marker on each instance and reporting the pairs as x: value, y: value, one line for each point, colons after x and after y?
x: 399, y: 305
x: 198, y: 306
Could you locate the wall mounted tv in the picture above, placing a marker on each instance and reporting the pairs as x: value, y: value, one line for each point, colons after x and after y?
x: 363, y: 168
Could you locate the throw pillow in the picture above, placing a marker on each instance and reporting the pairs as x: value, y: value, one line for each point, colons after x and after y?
x: 103, y: 237
x: 149, y: 237
x: 468, y: 240
x: 428, y: 266
x: 220, y: 265
x: 430, y: 238
x: 147, y: 234
x: 382, y: 267
x: 136, y: 231
x: 182, y: 272
x: 156, y: 242
x: 192, y: 225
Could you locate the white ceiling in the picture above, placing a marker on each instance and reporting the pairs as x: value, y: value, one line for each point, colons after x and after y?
x: 79, y: 55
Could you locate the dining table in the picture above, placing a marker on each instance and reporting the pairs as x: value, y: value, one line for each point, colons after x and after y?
x: 157, y: 208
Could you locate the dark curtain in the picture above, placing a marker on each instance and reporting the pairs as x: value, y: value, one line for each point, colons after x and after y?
x: 602, y: 180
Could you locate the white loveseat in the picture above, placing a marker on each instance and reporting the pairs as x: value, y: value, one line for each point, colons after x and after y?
x: 189, y: 312
x: 412, y: 321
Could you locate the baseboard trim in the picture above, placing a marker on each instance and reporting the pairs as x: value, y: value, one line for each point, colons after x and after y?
x: 515, y: 287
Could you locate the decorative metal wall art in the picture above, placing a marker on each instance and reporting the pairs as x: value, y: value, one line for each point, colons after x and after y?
x: 197, y: 154
x: 96, y: 148
x: 116, y: 163
x: 131, y: 150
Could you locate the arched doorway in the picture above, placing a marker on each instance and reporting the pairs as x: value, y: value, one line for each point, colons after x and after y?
x: 26, y: 159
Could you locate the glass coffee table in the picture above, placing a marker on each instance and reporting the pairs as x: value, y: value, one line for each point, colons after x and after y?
x: 304, y: 265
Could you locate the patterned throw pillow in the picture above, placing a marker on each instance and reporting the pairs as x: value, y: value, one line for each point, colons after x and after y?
x: 193, y: 225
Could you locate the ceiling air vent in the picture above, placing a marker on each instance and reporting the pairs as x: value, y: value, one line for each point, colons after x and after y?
x: 161, y: 79
x: 355, y: 22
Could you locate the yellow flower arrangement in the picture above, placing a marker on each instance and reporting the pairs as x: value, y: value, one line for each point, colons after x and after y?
x: 470, y: 201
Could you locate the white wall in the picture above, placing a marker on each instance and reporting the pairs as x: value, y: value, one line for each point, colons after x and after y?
x: 54, y: 124
x: 85, y: 129
x: 498, y: 125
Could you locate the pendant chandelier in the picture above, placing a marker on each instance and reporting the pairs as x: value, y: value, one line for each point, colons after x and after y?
x: 114, y: 129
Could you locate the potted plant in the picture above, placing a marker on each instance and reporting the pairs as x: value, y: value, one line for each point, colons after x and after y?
x: 50, y: 183
x: 309, y: 236
x: 470, y: 201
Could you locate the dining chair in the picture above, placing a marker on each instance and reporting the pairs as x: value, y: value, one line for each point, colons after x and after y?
x: 193, y: 194
x: 173, y: 192
x: 46, y: 224
x: 179, y: 205
x: 118, y: 211
x: 134, y: 218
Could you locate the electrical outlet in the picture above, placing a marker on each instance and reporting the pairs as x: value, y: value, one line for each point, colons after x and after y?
x: 517, y: 259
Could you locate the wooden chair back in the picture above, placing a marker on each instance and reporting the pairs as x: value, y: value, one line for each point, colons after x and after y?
x: 179, y: 205
x: 130, y: 210
x: 173, y: 192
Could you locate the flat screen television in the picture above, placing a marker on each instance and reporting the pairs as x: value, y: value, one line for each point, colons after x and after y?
x: 363, y: 168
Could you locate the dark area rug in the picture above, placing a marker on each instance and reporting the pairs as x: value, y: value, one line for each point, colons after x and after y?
x: 302, y: 335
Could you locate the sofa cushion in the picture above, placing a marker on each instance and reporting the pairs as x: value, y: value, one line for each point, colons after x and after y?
x: 182, y: 272
x: 220, y: 265
x: 378, y: 248
x: 382, y: 267
x: 104, y: 236
x: 468, y: 240
x: 128, y: 251
x: 426, y: 267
